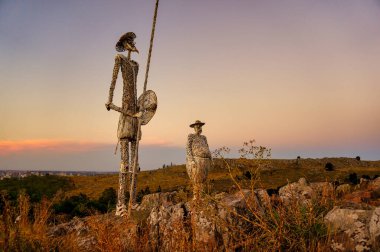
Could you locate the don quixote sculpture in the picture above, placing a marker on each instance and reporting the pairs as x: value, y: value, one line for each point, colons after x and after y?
x: 134, y: 112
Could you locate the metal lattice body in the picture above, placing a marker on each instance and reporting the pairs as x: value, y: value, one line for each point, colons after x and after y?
x: 128, y: 126
x: 198, y: 162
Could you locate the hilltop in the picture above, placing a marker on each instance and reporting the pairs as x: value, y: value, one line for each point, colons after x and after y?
x: 306, y: 210
x: 273, y: 173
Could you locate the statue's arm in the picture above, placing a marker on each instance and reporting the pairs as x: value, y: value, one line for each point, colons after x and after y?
x: 113, y: 81
x: 189, y: 151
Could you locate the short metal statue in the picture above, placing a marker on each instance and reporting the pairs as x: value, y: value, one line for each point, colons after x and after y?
x: 133, y: 113
x: 198, y: 159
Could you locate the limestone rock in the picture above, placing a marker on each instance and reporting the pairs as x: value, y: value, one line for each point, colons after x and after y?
x: 300, y: 191
x: 205, y: 223
x: 374, y: 227
x: 263, y: 197
x: 324, y: 189
x: 85, y: 235
x: 76, y: 225
x: 167, y: 222
x: 157, y: 199
x: 369, y: 194
x: 230, y: 209
x: 343, y: 189
x: 354, y: 224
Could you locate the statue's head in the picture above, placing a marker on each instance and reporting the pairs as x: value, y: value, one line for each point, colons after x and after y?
x: 127, y: 43
x: 197, y: 126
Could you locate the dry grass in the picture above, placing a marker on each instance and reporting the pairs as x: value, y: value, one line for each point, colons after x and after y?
x: 22, y: 233
x: 274, y: 173
x: 279, y: 227
x: 169, y: 179
x: 292, y: 227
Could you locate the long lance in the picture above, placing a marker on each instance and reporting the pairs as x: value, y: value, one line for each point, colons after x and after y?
x: 132, y: 197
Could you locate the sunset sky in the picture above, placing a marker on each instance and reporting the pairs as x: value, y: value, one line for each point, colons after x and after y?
x: 300, y: 77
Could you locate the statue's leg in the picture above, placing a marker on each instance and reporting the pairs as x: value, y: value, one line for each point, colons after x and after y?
x: 121, y: 208
x: 134, y: 154
x: 200, y: 172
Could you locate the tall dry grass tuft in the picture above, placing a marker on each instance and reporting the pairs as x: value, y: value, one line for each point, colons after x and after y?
x: 113, y: 234
x: 273, y: 225
x: 24, y: 226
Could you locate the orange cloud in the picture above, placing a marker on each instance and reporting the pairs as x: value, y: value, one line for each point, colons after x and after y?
x: 10, y: 147
x: 63, y: 146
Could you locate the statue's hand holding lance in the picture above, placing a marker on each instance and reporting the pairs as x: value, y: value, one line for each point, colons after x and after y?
x: 112, y: 106
x: 109, y: 105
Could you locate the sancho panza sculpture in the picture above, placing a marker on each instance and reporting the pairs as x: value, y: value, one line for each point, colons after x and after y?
x: 133, y: 113
x: 198, y: 158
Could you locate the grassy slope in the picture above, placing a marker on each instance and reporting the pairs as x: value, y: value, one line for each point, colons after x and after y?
x: 274, y: 173
x: 35, y: 186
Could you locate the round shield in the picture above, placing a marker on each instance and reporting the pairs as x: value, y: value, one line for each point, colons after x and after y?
x: 147, y: 104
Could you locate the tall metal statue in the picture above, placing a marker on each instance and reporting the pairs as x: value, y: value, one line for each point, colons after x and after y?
x: 133, y: 113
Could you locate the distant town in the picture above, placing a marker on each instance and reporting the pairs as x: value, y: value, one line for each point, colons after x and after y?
x: 22, y: 174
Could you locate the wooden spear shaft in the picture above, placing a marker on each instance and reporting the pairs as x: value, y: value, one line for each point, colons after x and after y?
x: 132, y: 196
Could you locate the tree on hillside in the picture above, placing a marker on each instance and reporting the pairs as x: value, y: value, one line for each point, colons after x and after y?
x: 329, y: 166
x: 108, y: 198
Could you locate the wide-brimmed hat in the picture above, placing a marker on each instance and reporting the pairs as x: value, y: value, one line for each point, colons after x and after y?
x: 128, y: 37
x: 197, y: 122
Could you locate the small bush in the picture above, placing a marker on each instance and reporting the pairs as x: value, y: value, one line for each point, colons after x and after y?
x: 329, y: 166
x: 248, y: 175
x: 353, y: 178
x: 357, y: 158
x: 159, y: 189
x: 272, y: 191
x: 108, y: 198
x: 366, y: 177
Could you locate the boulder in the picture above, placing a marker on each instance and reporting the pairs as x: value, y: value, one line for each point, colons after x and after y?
x: 369, y: 194
x: 76, y: 225
x: 324, y: 189
x: 233, y: 211
x: 343, y: 189
x: 204, y: 225
x: 374, y: 227
x: 360, y: 226
x: 262, y: 197
x: 300, y: 191
x: 167, y: 222
x: 89, y: 232
x: 157, y: 199
x: 206, y: 222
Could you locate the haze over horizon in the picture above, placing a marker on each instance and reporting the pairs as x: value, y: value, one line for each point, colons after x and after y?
x: 300, y: 77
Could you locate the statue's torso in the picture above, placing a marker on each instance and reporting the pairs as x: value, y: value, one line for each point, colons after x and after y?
x: 128, y: 125
x: 129, y: 70
x: 199, y: 146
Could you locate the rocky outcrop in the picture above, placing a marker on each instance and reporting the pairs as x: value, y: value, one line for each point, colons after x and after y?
x: 299, y: 191
x: 368, y: 194
x: 153, y: 200
x: 211, y: 223
x: 343, y: 189
x: 323, y: 189
x: 96, y: 231
x: 361, y: 227
x: 169, y: 222
x: 351, y: 223
x: 77, y: 227
x: 206, y: 223
x: 374, y: 227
